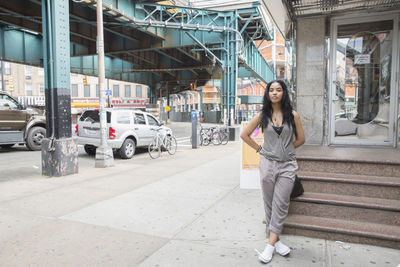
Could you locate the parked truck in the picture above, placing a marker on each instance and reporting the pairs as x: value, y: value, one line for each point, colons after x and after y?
x: 20, y: 125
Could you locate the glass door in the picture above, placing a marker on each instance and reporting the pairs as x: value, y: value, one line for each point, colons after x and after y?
x: 363, y: 93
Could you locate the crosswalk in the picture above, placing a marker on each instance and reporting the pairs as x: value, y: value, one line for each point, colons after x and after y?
x: 183, y: 141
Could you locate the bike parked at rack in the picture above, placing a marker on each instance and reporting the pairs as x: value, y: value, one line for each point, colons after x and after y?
x: 215, y: 135
x: 162, y: 141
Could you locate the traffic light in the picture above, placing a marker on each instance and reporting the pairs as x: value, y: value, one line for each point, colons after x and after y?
x: 85, y: 83
x: 10, y: 84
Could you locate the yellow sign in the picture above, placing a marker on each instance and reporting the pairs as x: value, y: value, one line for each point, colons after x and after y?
x: 85, y: 83
x: 167, y: 108
x: 251, y: 159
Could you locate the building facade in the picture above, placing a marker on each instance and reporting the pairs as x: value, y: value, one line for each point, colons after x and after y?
x: 27, y: 82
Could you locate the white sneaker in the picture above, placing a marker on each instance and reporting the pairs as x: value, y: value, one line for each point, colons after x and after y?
x: 266, y: 255
x: 281, y: 248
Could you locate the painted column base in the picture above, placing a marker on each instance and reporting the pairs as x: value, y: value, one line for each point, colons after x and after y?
x: 104, y: 157
x: 63, y: 160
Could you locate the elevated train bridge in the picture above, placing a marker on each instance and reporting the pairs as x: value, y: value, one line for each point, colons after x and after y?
x: 166, y: 47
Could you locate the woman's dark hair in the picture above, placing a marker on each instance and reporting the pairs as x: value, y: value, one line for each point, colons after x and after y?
x: 286, y: 107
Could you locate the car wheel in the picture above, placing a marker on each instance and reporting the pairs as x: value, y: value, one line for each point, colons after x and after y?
x: 127, y: 149
x: 90, y: 150
x: 6, y: 146
x: 35, y: 138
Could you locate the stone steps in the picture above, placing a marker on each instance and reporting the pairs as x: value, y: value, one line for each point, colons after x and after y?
x: 349, y: 166
x: 348, y: 199
x: 353, y: 185
x: 352, y: 208
x: 343, y: 230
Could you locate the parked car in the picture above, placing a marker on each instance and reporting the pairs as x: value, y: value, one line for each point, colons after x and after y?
x: 20, y: 125
x: 126, y: 130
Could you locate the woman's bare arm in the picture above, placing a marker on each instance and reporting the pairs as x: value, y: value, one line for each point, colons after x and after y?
x: 300, y: 132
x: 248, y: 130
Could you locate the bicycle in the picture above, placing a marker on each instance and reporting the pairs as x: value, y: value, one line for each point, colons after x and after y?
x: 210, y: 135
x: 224, y: 135
x: 202, y: 136
x: 215, y: 135
x: 162, y: 141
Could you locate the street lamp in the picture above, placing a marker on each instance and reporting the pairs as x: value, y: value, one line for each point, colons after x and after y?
x: 104, y: 153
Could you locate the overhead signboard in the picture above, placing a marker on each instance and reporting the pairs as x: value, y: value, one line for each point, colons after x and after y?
x: 129, y: 102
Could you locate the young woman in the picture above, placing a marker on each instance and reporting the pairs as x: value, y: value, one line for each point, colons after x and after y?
x: 282, y: 133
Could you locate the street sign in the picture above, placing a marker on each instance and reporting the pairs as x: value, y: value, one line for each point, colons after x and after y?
x: 108, y: 92
x: 167, y: 108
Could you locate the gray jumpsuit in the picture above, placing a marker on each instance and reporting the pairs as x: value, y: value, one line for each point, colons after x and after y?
x: 278, y: 168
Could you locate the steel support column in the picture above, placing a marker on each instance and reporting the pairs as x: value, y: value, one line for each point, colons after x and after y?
x: 229, y: 77
x: 59, y: 151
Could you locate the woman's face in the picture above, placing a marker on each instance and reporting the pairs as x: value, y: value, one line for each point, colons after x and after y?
x: 275, y: 93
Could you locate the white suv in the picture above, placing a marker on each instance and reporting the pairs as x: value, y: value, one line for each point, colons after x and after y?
x: 126, y: 129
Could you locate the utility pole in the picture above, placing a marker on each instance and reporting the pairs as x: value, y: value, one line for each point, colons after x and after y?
x: 104, y: 153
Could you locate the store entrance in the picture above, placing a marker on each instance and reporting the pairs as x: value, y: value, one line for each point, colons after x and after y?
x: 363, y: 91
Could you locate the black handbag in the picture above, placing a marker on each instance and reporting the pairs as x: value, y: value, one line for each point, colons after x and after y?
x: 298, y: 189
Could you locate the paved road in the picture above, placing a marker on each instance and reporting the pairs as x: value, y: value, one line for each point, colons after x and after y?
x: 181, y: 210
x: 20, y: 163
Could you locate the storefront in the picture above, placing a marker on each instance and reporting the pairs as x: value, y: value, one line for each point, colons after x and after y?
x: 346, y: 70
x: 363, y: 96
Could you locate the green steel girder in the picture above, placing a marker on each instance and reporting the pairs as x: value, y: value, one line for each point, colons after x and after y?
x: 20, y: 46
x: 144, y: 37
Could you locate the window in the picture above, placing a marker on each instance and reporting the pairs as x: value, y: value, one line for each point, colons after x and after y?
x: 124, y: 117
x: 138, y: 91
x: 41, y: 89
x: 7, y: 68
x: 28, y: 89
x: 116, y: 90
x: 74, y: 90
x: 139, y: 119
x: 7, y: 102
x: 86, y: 91
x: 152, y: 121
x: 127, y: 91
x: 93, y: 116
x: 28, y: 72
x: 97, y: 90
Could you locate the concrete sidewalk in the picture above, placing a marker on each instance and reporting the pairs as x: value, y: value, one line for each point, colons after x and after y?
x: 181, y: 210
